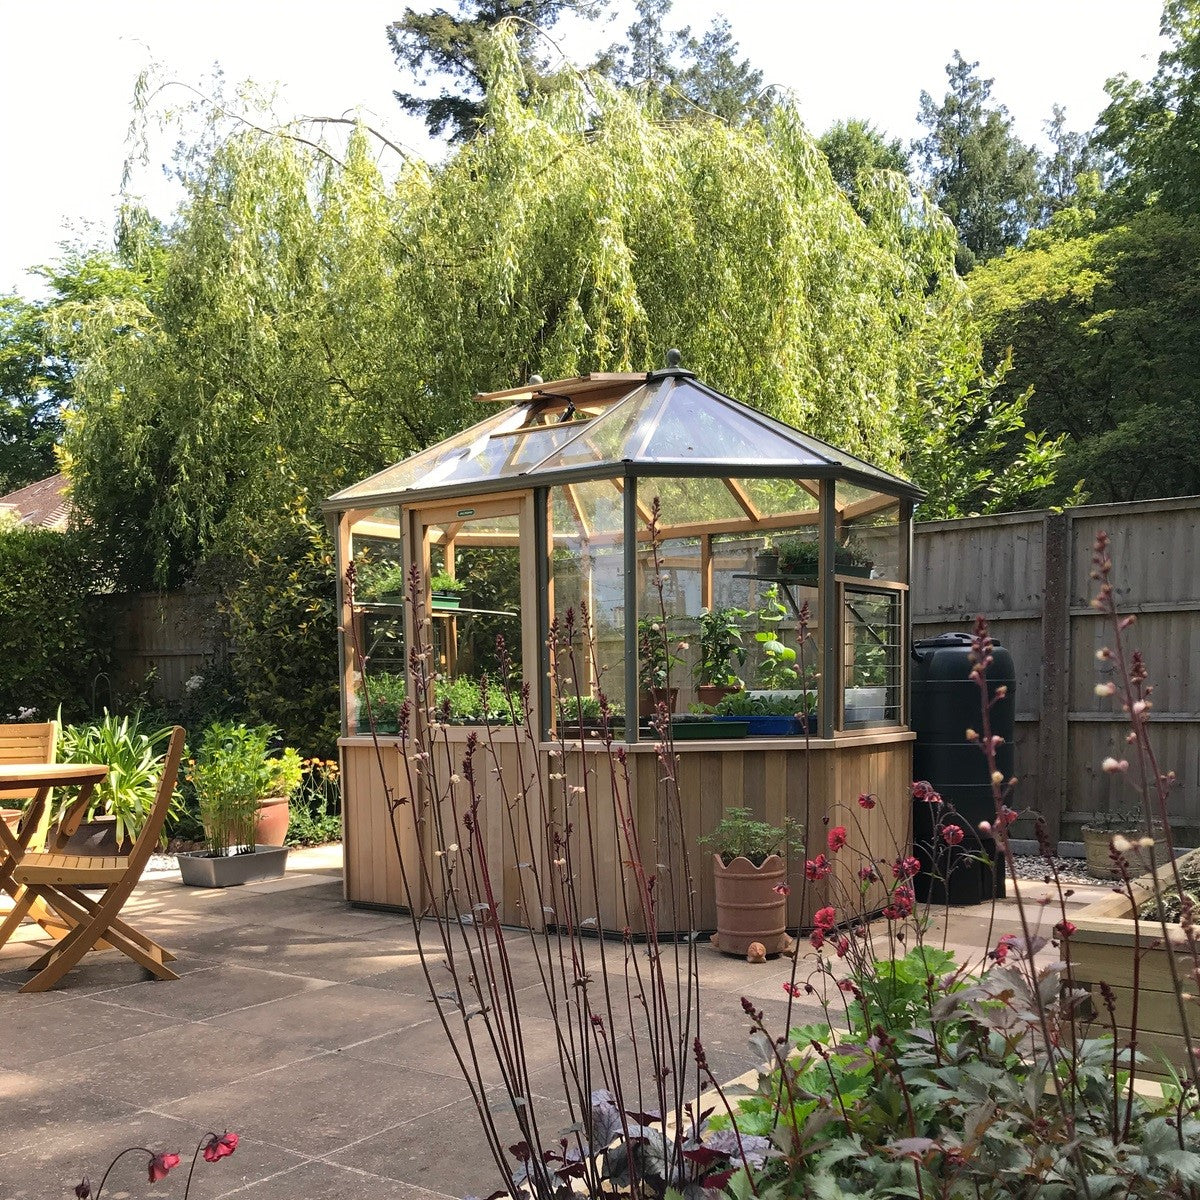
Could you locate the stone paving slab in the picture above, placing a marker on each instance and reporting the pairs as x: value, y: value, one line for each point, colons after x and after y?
x: 304, y: 1025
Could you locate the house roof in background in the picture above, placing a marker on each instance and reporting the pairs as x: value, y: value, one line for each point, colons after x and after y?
x: 43, y: 504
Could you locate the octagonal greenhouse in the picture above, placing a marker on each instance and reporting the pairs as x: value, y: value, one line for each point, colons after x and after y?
x: 636, y: 548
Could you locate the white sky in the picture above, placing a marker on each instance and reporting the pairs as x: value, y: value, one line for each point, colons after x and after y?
x: 67, y: 69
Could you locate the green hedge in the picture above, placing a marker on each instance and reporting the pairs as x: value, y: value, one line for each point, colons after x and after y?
x: 54, y: 640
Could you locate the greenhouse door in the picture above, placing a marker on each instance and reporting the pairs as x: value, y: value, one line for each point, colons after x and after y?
x: 479, y: 568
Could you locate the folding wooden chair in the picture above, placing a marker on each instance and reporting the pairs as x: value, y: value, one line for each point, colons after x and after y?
x: 57, y: 879
x: 19, y: 744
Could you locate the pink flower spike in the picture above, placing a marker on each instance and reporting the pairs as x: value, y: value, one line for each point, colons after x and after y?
x: 837, y: 838
x: 160, y: 1164
x: 952, y: 835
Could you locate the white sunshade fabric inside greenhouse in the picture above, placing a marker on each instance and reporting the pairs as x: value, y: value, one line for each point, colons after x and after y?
x: 599, y: 426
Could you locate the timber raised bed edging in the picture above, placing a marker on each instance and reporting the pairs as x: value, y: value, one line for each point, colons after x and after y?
x: 1102, y: 949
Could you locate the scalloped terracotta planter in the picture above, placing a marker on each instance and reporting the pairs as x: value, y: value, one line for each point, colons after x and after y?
x: 748, y: 907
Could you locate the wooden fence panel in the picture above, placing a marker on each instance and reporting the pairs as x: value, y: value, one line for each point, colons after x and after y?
x: 1030, y: 574
x: 168, y: 636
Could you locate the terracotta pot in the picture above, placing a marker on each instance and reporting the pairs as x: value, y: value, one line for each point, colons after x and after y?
x: 271, y: 824
x: 649, y: 701
x: 1096, y: 845
x: 748, y: 907
x: 713, y: 693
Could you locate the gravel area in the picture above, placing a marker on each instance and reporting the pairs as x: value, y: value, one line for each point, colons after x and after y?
x: 161, y: 864
x: 1070, y: 870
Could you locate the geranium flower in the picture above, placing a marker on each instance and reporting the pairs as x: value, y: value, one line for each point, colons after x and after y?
x: 867, y: 874
x: 1065, y: 929
x: 817, y: 939
x: 825, y: 918
x: 906, y: 867
x: 952, y: 835
x: 793, y: 989
x: 220, y: 1147
x: 782, y: 889
x: 1003, y: 946
x: 837, y: 838
x: 924, y: 791
x: 866, y: 800
x: 160, y: 1164
x: 843, y: 947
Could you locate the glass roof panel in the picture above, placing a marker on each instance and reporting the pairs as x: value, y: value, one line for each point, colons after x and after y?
x: 778, y: 497
x: 696, y: 426
x: 691, y: 501
x: 447, y: 462
x: 605, y: 439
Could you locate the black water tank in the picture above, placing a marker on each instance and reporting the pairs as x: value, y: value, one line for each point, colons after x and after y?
x: 945, y: 703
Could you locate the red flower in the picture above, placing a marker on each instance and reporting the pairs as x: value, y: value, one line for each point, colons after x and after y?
x: 867, y: 874
x: 1006, y: 817
x: 817, y: 939
x: 847, y: 985
x: 866, y: 800
x: 782, y: 889
x: 1065, y: 929
x: 843, y: 947
x: 793, y: 989
x: 220, y: 1147
x: 952, y: 835
x: 906, y: 868
x: 817, y: 868
x: 160, y: 1164
x: 825, y: 918
x: 924, y: 791
x: 1003, y: 946
x: 837, y: 838
x: 902, y: 903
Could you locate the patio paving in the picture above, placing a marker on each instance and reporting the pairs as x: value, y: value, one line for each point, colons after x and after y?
x: 302, y: 1024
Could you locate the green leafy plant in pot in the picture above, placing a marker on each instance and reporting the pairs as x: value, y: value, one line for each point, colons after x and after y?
x: 656, y: 662
x: 232, y: 772
x: 778, y: 670
x: 122, y: 802
x: 720, y: 647
x: 446, y: 590
x: 750, y: 880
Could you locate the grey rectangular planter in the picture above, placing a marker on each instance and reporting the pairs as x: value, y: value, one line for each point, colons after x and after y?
x: 200, y: 870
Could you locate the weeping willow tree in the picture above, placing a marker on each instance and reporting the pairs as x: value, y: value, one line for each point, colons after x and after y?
x: 319, y: 308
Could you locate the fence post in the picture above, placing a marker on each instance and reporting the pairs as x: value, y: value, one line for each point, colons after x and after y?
x: 1056, y: 660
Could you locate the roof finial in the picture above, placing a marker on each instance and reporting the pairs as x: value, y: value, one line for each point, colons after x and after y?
x: 534, y: 380
x: 674, y: 358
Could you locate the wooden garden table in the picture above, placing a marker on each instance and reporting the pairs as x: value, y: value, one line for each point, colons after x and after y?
x: 40, y: 778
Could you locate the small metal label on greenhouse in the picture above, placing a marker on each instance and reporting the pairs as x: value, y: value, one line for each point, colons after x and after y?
x: 466, y: 512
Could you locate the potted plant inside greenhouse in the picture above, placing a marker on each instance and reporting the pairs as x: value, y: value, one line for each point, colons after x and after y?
x: 232, y: 774
x: 446, y: 591
x: 781, y: 705
x: 381, y: 581
x: 122, y: 802
x: 388, y: 691
x: 656, y: 664
x: 750, y: 880
x: 799, y: 558
x: 720, y: 648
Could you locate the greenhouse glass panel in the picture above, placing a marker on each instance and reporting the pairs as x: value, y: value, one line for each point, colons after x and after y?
x: 869, y: 534
x: 381, y: 569
x: 587, y: 588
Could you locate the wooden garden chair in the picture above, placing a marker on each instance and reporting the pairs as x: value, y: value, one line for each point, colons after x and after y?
x: 24, y: 743
x: 57, y: 879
